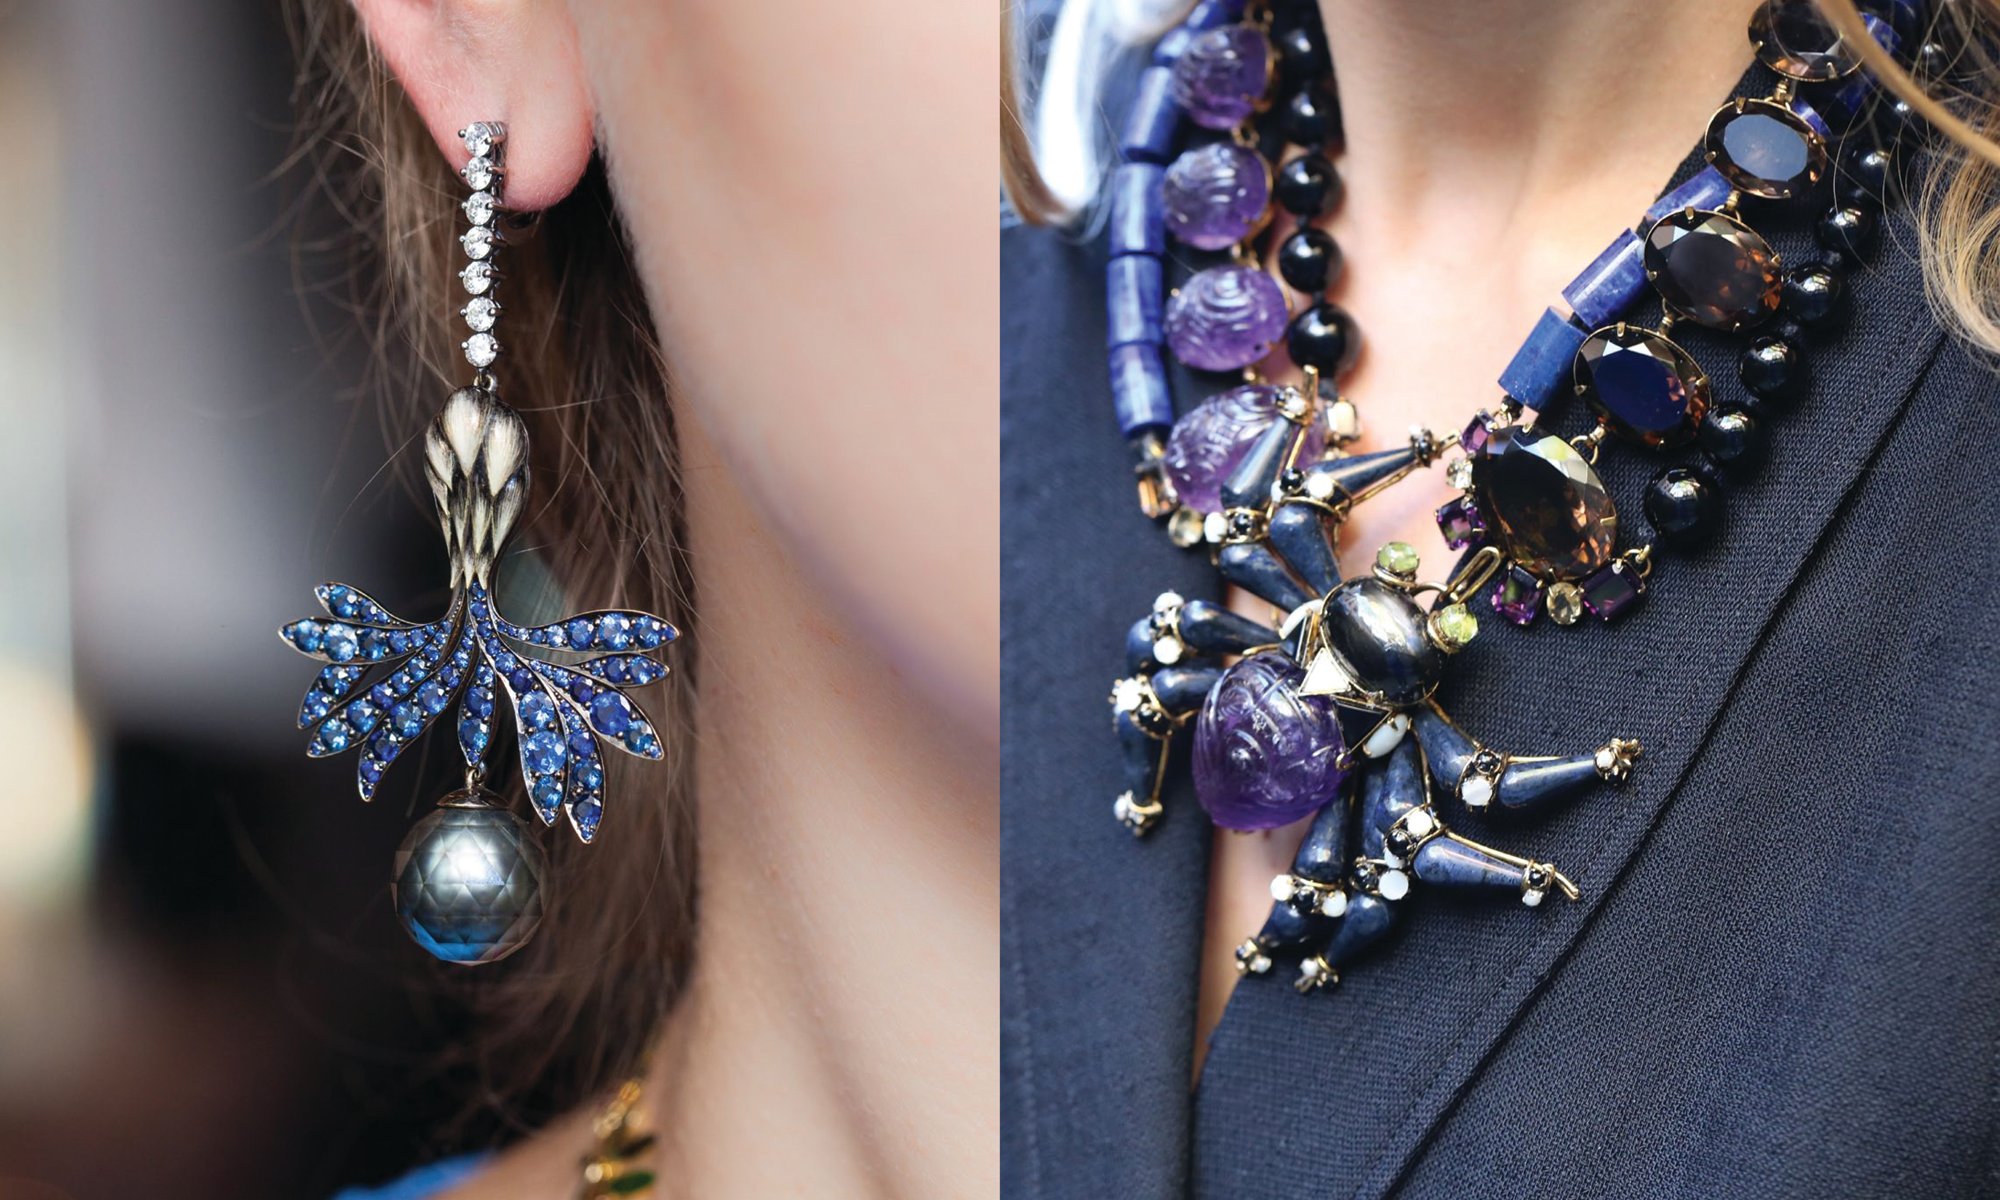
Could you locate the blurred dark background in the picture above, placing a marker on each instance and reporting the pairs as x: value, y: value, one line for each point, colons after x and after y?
x: 203, y: 992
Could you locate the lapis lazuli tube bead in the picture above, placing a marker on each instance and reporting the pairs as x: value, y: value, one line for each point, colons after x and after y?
x: 1182, y: 689
x: 1133, y: 285
x: 1254, y: 568
x: 1447, y: 862
x: 1139, y: 389
x: 1354, y: 474
x: 1211, y: 13
x: 1368, y: 918
x: 1249, y: 484
x: 1446, y: 748
x: 1140, y: 753
x: 1525, y: 786
x: 1286, y: 927
x: 1389, y: 793
x: 1213, y: 629
x: 1138, y: 220
x: 1139, y: 646
x: 1153, y: 120
x: 1610, y: 284
x: 1542, y: 367
x: 1298, y: 534
x: 1847, y: 96
x: 1810, y: 116
x: 1322, y: 856
x: 1704, y: 189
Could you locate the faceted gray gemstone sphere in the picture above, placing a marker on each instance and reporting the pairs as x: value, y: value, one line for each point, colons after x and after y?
x: 468, y: 882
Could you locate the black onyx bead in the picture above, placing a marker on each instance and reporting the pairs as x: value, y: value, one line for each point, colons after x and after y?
x: 1309, y: 260
x: 1848, y: 228
x: 1302, y: 55
x: 1864, y: 175
x: 1774, y: 370
x: 1307, y: 187
x: 1933, y: 61
x: 1814, y: 294
x: 1309, y: 117
x: 1683, y: 506
x: 1895, y: 119
x: 1323, y: 337
x: 1733, y: 439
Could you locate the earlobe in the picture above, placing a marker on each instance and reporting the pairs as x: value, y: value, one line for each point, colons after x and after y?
x: 514, y: 61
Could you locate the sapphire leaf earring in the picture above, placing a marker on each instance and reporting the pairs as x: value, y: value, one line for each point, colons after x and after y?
x: 468, y: 879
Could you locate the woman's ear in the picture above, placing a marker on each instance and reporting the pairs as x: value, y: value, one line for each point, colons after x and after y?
x: 494, y: 60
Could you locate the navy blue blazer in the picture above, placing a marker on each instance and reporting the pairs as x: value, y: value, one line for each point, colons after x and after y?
x: 1781, y: 977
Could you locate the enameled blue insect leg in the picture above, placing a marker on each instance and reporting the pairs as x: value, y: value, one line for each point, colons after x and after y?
x: 1482, y: 778
x: 1394, y: 800
x: 1307, y: 897
x: 1449, y: 860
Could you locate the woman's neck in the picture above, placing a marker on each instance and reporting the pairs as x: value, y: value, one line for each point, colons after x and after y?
x: 846, y: 983
x: 1495, y: 105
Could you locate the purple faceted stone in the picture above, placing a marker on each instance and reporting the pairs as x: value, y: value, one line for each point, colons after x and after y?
x: 1518, y: 596
x: 1612, y: 589
x: 1460, y: 523
x: 1477, y: 430
x: 1211, y: 439
x: 1265, y: 756
x: 1221, y: 76
x: 1226, y: 317
x: 1216, y: 195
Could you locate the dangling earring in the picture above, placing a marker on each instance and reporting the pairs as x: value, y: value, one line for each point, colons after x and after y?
x: 468, y: 879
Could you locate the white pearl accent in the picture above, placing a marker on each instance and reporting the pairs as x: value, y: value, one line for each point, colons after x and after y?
x: 1394, y: 885
x: 1476, y: 791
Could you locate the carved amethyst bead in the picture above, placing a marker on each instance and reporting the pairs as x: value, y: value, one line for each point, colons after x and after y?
x: 1221, y: 76
x: 1264, y: 755
x: 1216, y: 195
x: 1225, y: 318
x: 1211, y: 439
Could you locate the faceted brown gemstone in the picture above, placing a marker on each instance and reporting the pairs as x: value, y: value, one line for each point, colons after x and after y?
x: 1647, y: 388
x: 1712, y: 268
x: 1791, y: 38
x: 1546, y: 503
x: 1765, y: 148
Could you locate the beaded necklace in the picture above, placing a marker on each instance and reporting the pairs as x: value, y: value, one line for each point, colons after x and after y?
x: 1314, y: 716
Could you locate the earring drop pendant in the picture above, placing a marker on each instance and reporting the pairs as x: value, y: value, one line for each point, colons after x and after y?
x: 470, y: 879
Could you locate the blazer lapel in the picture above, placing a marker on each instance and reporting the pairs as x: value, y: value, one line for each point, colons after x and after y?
x: 1334, y: 1094
x: 1100, y: 933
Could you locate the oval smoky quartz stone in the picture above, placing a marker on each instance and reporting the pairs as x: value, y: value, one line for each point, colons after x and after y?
x: 1713, y: 269
x: 1546, y: 504
x: 1791, y: 38
x: 1765, y: 148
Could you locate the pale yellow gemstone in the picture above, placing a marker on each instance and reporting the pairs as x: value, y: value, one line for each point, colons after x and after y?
x: 1564, y: 602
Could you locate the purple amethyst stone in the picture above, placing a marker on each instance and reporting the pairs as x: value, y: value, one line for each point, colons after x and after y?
x: 1211, y: 439
x: 1225, y: 318
x: 1458, y: 520
x: 1265, y: 756
x: 1612, y: 589
x: 1477, y: 431
x: 1216, y: 195
x: 1518, y: 596
x: 1221, y: 76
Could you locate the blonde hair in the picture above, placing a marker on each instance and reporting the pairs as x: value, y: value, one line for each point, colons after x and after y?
x: 573, y: 1010
x: 1957, y: 217
x: 1958, y: 220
